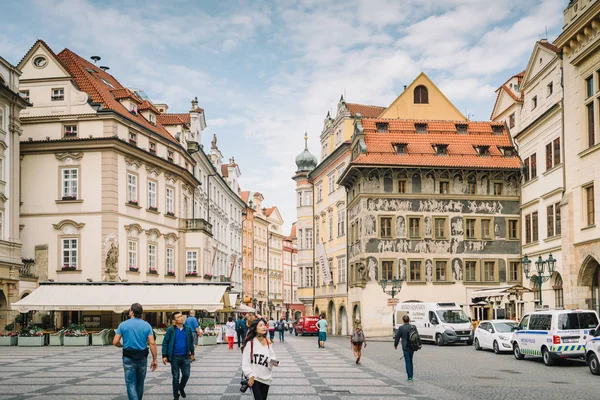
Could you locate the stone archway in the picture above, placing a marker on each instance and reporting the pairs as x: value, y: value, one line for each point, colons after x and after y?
x: 331, y: 318
x: 343, y: 321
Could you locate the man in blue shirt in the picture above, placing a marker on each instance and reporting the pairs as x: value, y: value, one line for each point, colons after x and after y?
x: 192, y: 323
x: 178, y: 349
x: 136, y: 334
x: 322, y: 325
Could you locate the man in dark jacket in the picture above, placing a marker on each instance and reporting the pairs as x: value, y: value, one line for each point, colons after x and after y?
x: 403, y: 332
x: 240, y: 329
x: 178, y: 349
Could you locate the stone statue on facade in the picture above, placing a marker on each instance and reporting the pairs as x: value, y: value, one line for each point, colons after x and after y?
x: 112, y: 259
x: 362, y: 272
x: 428, y: 270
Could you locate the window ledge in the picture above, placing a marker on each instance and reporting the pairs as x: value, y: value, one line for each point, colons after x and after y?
x: 589, y: 150
x: 588, y: 227
x: 515, y: 282
x: 529, y: 182
x: 132, y: 272
x: 76, y: 271
x: 132, y: 205
x: 551, y: 170
x: 552, y: 238
x: 69, y: 201
x: 153, y: 211
x: 170, y: 216
x: 443, y: 283
x: 416, y: 283
x: 530, y: 244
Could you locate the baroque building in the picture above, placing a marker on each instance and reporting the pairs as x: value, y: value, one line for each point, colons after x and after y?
x: 432, y: 200
x: 17, y: 277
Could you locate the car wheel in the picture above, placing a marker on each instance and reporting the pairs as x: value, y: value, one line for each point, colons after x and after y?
x: 496, y: 348
x: 548, y: 360
x: 439, y: 340
x: 476, y: 344
x: 517, y: 352
x: 593, y: 364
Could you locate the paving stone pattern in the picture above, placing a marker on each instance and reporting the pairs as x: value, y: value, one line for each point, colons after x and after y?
x: 305, y: 372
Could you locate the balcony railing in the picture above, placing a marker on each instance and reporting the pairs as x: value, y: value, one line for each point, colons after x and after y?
x: 198, y: 224
x: 27, y: 270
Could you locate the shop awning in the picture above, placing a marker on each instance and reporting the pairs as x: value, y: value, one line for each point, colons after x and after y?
x: 498, y: 291
x: 118, y: 297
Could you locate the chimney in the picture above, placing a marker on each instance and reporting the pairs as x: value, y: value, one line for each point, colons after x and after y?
x: 195, y: 103
x: 404, y: 87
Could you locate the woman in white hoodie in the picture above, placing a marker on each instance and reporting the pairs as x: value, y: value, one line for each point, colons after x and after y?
x: 258, y: 359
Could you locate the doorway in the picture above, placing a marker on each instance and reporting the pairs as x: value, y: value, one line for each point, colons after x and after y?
x: 344, y: 321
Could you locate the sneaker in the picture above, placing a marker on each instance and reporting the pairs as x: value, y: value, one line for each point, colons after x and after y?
x: 410, y: 379
x: 182, y: 393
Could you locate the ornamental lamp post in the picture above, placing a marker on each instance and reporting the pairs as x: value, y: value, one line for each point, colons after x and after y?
x: 395, y: 286
x: 287, y: 311
x: 540, y: 265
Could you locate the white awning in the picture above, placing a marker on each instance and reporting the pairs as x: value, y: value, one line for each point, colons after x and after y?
x: 498, y: 291
x: 242, y: 308
x: 119, y: 297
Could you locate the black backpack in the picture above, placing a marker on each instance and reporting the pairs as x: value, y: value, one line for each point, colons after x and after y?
x: 414, y: 340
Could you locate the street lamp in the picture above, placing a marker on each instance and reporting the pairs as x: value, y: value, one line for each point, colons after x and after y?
x: 254, y: 301
x: 395, y: 286
x: 540, y: 265
x: 287, y: 311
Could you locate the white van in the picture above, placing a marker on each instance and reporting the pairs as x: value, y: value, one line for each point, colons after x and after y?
x: 592, y: 348
x: 441, y: 323
x: 553, y: 334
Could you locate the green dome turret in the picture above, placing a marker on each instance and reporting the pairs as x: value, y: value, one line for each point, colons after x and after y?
x: 305, y: 161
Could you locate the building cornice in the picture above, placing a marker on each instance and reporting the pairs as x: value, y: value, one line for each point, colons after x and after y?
x: 542, y: 118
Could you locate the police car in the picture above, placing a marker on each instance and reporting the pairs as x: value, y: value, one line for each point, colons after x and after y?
x: 554, y: 334
x: 592, y: 348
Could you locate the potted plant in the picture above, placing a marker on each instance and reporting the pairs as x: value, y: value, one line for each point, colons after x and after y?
x: 170, y: 273
x: 170, y: 213
x: 8, y: 337
x: 208, y: 276
x: 31, y: 336
x: 191, y: 273
x: 152, y: 270
x: 133, y: 202
x: 133, y: 268
x: 153, y: 208
x: 68, y: 267
x: 76, y: 335
x: 69, y: 197
x: 209, y: 336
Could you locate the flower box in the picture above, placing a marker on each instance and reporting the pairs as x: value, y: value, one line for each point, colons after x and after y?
x: 134, y: 269
x: 69, y: 198
x: 153, y: 271
x: 69, y: 268
x: 134, y: 202
x: 208, y: 276
x: 27, y: 260
x: 191, y: 274
x: 133, y: 112
x: 70, y: 134
x: 8, y: 340
x: 170, y: 159
x: 170, y: 273
x: 153, y: 208
x: 132, y: 141
x: 170, y: 213
x: 30, y: 341
x: 77, y: 340
x: 207, y: 340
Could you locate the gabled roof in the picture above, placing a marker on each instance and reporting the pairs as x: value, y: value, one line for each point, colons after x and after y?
x: 40, y: 42
x: 364, y: 110
x: 124, y: 93
x: 173, y: 119
x: 95, y: 82
x: 504, y: 89
x: 293, y: 232
x: 146, y: 105
x: 460, y: 151
x: 245, y: 194
x: 549, y: 46
x: 533, y: 67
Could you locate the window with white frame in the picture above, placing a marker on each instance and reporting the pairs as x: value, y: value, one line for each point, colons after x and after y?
x: 300, y: 243
x: 152, y: 195
x: 132, y: 138
x: 2, y: 119
x: 152, y: 258
x: 132, y: 254
x: 69, y: 183
x: 308, y: 198
x: 319, y: 192
x: 69, y: 252
x: 341, y: 221
x: 70, y: 131
x: 132, y: 189
x: 152, y: 147
x: 191, y: 262
x: 332, y: 182
x: 170, y: 201
x: 341, y: 269
x: 58, y: 94
x: 299, y: 199
x: 170, y: 260
x: 330, y: 225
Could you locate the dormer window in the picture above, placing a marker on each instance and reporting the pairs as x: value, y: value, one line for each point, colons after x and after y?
x: 462, y: 129
x: 382, y: 127
x: 497, y: 129
x: 170, y: 155
x: 507, y: 151
x: 400, y: 148
x: 133, y: 138
x: 132, y: 109
x: 152, y: 147
x: 440, y: 149
x: 421, y: 127
x: 151, y: 118
x: 482, y: 150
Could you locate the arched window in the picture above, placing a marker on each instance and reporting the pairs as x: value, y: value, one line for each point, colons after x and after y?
x: 388, y: 182
x: 559, y: 299
x: 421, y: 95
x: 416, y: 183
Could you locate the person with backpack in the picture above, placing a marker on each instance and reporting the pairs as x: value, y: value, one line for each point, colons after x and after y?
x: 281, y: 329
x: 240, y: 329
x: 271, y: 324
x: 411, y: 342
x: 357, y: 338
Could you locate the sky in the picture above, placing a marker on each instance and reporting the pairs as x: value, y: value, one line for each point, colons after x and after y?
x: 267, y: 71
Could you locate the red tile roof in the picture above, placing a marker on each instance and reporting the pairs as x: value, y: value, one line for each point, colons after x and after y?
x: 461, y: 151
x: 364, y: 110
x: 549, y: 46
x: 173, y: 119
x: 293, y: 233
x: 146, y: 105
x: 225, y: 170
x: 244, y: 195
x: 270, y: 210
x: 124, y: 93
x: 100, y: 92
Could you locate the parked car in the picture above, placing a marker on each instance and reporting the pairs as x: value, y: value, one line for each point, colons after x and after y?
x: 592, y: 348
x: 494, y: 334
x: 554, y: 334
x: 307, y: 326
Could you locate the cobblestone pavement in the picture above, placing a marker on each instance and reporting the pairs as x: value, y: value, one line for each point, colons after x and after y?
x: 306, y: 372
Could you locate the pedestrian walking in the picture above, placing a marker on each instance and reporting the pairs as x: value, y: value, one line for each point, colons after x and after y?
x: 192, y: 323
x: 258, y: 359
x: 411, y: 342
x: 291, y: 326
x: 322, y: 325
x: 357, y: 339
x: 178, y: 350
x: 137, y: 336
x: 230, y: 332
x: 281, y: 329
x: 240, y: 330
x: 271, y: 324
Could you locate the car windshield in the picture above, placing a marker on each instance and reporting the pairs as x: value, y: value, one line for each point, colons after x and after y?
x: 505, y: 326
x: 577, y: 320
x: 453, y: 317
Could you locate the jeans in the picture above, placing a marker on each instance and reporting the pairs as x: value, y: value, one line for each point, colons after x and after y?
x: 180, y: 363
x: 408, y: 362
x: 260, y: 390
x: 240, y: 337
x: 271, y: 334
x: 135, y: 374
x: 281, y: 332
